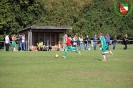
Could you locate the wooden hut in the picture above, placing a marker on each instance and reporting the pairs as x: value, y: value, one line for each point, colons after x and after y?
x: 50, y: 35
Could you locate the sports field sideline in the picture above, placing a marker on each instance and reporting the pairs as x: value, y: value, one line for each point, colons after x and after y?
x: 42, y: 70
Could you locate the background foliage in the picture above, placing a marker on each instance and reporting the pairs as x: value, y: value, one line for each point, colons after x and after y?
x: 87, y: 17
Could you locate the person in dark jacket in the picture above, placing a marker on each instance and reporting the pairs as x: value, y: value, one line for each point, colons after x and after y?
x: 20, y: 42
x: 125, y: 40
x: 95, y: 42
x: 114, y: 42
x: 107, y: 37
x: 86, y: 45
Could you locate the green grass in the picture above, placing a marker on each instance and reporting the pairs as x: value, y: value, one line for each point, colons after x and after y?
x: 42, y: 70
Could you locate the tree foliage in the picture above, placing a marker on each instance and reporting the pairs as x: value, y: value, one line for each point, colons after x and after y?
x: 87, y: 17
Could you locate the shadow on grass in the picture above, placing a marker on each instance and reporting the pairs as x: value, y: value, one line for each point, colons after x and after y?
x: 97, y: 59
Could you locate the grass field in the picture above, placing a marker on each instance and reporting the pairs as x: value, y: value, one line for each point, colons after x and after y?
x: 41, y: 70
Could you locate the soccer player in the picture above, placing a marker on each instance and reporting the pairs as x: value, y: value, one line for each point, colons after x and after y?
x: 69, y: 46
x: 104, y: 47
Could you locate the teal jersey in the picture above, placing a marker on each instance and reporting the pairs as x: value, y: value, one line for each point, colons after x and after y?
x: 103, y: 41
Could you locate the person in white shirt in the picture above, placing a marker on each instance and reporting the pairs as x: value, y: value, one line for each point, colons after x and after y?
x: 75, y: 39
x: 7, y: 42
x: 80, y: 41
x: 23, y: 42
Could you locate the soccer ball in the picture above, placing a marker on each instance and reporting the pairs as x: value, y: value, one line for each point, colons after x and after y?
x: 56, y: 55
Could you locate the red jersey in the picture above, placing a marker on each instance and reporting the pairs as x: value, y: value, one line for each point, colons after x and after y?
x: 68, y: 42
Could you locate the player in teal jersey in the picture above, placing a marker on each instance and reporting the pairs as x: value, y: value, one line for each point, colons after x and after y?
x: 104, y: 47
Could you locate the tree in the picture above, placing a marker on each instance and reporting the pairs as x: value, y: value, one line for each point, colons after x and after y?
x: 87, y: 17
x: 5, y: 18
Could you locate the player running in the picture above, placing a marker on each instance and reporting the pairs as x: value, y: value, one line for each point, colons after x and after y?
x: 69, y: 46
x: 104, y: 47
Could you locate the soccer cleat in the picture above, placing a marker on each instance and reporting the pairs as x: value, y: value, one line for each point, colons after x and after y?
x: 15, y: 50
x: 63, y: 56
x: 104, y: 60
x: 110, y: 52
x: 79, y: 52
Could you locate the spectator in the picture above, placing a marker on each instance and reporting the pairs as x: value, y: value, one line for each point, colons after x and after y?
x: 50, y: 48
x: 40, y: 45
x: 107, y: 37
x: 23, y: 42
x: 86, y: 45
x: 20, y: 42
x: 7, y: 42
x: 95, y: 42
x: 64, y: 44
x: 75, y: 39
x: 80, y: 41
x: 14, y: 42
x: 125, y: 41
x: 59, y: 46
x: 114, y: 42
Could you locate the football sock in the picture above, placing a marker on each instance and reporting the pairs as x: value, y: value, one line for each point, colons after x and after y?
x: 65, y: 53
x: 14, y: 49
x: 104, y: 57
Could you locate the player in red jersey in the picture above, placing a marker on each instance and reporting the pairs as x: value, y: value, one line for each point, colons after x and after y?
x: 68, y: 46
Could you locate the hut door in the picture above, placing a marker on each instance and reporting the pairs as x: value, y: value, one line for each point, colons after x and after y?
x: 47, y: 39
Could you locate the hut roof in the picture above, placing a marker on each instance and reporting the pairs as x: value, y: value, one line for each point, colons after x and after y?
x: 46, y: 28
